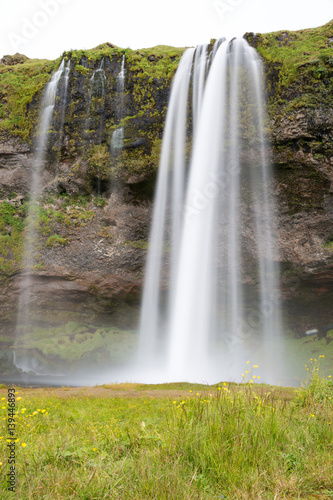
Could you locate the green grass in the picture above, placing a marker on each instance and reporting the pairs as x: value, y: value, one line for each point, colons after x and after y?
x: 56, y: 240
x: 175, y: 441
x: 20, y: 84
x: 298, y: 51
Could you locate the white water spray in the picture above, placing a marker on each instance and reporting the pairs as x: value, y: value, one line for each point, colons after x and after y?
x: 213, y: 227
x: 96, y: 103
x: 117, y: 138
x: 31, y: 235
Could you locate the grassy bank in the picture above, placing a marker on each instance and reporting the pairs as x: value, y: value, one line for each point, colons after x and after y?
x: 173, y: 441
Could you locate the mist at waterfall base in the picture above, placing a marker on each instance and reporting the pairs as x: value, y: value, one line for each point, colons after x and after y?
x: 211, y: 294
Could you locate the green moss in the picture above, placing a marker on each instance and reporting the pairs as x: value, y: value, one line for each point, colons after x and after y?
x: 82, y: 70
x: 73, y: 342
x: 156, y: 62
x: 140, y: 161
x: 56, y: 240
x: 11, y: 240
x: 297, y: 51
x: 329, y: 243
x: 50, y: 226
x: 100, y: 202
x: 20, y: 84
x: 98, y: 161
x: 137, y: 244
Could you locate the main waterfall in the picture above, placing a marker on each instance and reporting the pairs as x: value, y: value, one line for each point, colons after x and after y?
x: 211, y: 299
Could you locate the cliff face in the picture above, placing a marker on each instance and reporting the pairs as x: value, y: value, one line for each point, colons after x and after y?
x: 96, y: 210
x: 299, y: 70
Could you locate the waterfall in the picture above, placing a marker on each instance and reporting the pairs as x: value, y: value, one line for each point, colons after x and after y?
x: 121, y: 87
x: 117, y: 138
x: 96, y: 111
x: 46, y: 113
x: 199, y: 74
x: 117, y: 141
x: 58, y: 115
x: 63, y: 99
x: 96, y: 102
x: 56, y: 88
x: 171, y: 170
x: 212, y: 244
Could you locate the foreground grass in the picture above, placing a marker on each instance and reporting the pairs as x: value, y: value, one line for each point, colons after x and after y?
x: 177, y: 441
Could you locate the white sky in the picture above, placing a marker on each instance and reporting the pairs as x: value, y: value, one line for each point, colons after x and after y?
x: 45, y: 28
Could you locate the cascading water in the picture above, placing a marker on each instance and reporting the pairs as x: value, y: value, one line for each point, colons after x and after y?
x: 212, y: 244
x: 200, y: 68
x: 117, y: 138
x: 171, y: 172
x: 58, y: 81
x: 121, y: 88
x: 95, y: 118
x: 96, y: 111
x: 63, y: 101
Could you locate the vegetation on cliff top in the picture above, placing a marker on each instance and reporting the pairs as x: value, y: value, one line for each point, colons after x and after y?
x: 299, y: 67
x: 20, y: 84
x: 296, y: 51
x: 158, y: 62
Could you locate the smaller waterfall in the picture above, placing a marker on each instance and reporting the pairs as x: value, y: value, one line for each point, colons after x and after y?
x: 46, y: 113
x: 63, y: 94
x: 96, y: 104
x: 121, y: 88
x: 57, y: 87
x: 117, y: 138
x: 117, y: 141
x: 96, y: 112
x: 60, y: 110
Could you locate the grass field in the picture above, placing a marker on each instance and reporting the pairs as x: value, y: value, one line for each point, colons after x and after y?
x: 171, y: 441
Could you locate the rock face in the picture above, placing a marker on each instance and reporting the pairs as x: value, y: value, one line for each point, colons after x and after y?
x: 96, y: 210
x: 299, y: 73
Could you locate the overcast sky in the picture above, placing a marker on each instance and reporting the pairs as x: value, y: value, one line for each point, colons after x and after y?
x: 45, y: 28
